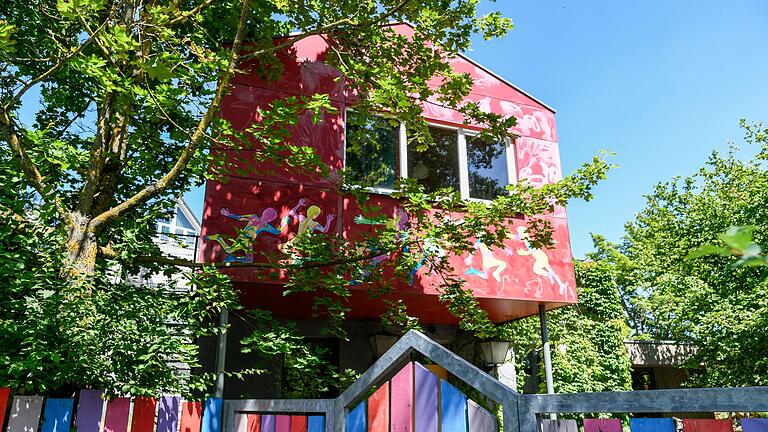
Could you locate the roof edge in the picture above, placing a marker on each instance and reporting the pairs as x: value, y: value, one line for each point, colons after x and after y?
x: 505, y: 81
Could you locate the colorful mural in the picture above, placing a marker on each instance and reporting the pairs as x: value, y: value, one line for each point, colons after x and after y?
x: 256, y: 224
x: 279, y: 206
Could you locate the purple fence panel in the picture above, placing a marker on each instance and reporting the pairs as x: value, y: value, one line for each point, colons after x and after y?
x: 425, y: 400
x: 480, y: 420
x: 89, y: 409
x: 168, y: 414
x: 267, y: 423
x: 754, y: 425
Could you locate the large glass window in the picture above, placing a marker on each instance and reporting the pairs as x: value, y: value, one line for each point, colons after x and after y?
x: 477, y: 168
x: 438, y: 166
x: 372, y: 150
x: 486, y: 168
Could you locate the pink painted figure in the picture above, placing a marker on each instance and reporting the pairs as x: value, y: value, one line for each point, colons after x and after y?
x: 257, y: 224
x: 541, y: 264
x: 488, y: 262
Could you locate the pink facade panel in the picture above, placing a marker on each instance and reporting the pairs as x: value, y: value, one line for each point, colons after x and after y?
x: 269, y: 207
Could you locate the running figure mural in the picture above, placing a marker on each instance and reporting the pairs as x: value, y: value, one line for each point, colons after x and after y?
x: 398, y: 222
x: 489, y: 262
x: 257, y: 224
x: 541, y: 264
x: 307, y: 224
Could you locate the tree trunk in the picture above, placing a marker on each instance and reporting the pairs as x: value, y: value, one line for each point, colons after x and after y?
x: 82, y: 248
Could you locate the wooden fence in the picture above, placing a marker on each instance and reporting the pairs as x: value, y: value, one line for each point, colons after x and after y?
x: 394, y: 395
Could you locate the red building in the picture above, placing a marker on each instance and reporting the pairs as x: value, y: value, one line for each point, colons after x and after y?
x: 510, y: 283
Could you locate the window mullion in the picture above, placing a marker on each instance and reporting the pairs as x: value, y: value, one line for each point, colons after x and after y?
x: 463, y: 165
x: 511, y: 161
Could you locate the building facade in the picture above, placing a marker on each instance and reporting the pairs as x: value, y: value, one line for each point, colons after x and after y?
x: 268, y: 207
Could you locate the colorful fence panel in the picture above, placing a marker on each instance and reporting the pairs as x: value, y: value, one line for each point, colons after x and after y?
x: 5, y: 393
x: 401, y: 414
x: 144, y: 409
x: 253, y: 423
x: 315, y: 423
x: 602, y: 425
x: 191, y: 416
x: 754, y: 425
x: 282, y: 423
x: 89, y: 409
x: 479, y: 419
x: 25, y: 413
x: 453, y: 408
x: 168, y: 414
x: 116, y: 419
x: 241, y: 423
x: 378, y: 410
x: 298, y: 423
x: 707, y: 425
x: 267, y: 423
x: 356, y: 419
x: 212, y: 411
x: 567, y: 425
x: 651, y: 425
x: 426, y: 400
x: 57, y: 415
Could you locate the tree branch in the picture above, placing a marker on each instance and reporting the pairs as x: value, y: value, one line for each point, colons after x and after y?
x: 197, y: 136
x: 58, y: 65
x: 28, y: 167
x: 163, y: 260
x: 184, y: 16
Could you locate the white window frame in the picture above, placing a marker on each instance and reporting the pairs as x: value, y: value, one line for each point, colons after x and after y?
x: 462, y: 133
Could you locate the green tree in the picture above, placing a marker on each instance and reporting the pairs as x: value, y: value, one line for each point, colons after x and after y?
x: 126, y: 97
x: 679, y: 283
x: 587, y: 339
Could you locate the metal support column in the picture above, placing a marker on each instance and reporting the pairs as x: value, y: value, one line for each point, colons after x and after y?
x: 221, y: 353
x: 547, y: 352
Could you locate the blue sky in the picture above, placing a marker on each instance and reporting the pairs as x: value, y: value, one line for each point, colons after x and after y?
x: 661, y: 83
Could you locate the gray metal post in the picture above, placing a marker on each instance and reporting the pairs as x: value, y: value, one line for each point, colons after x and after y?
x: 221, y: 353
x: 547, y: 353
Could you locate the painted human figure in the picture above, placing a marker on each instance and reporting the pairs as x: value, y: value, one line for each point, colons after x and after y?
x: 431, y: 249
x: 308, y: 224
x: 398, y: 221
x: 257, y: 224
x: 541, y: 264
x: 488, y: 262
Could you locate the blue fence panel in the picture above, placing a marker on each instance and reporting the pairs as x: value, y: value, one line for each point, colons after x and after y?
x: 453, y: 408
x: 651, y: 425
x: 356, y: 419
x: 57, y: 415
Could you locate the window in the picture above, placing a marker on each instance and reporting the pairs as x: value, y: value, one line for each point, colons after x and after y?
x: 438, y: 166
x: 376, y: 155
x: 372, y: 150
x: 486, y: 168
